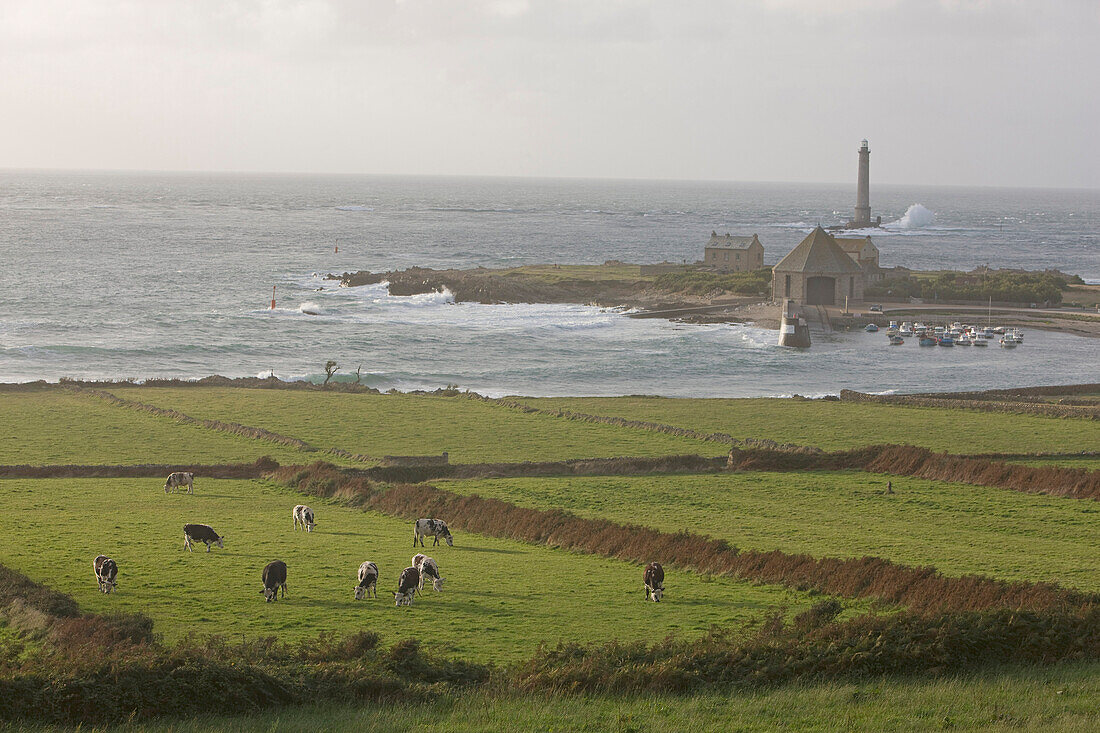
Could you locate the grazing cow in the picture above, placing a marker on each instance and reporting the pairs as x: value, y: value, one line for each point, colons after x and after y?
x: 406, y: 587
x: 654, y: 579
x: 303, y: 515
x: 106, y: 570
x: 180, y: 479
x: 274, y: 579
x: 368, y: 581
x: 431, y: 527
x: 201, y: 533
x: 428, y: 569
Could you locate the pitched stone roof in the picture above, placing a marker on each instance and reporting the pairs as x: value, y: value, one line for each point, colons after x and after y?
x: 818, y: 253
x: 730, y: 242
x: 855, y: 244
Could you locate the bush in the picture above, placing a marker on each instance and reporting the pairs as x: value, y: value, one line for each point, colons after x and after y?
x: 704, y: 282
x: 1002, y: 286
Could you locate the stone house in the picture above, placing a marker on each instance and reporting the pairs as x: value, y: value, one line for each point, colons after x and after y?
x: 865, y: 254
x: 818, y: 272
x: 733, y: 254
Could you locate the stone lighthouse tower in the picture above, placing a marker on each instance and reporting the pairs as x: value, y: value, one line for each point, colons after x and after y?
x: 863, y: 192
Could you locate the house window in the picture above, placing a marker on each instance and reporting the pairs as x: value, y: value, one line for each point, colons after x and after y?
x: 727, y: 256
x: 714, y: 255
x: 788, y: 288
x: 738, y: 256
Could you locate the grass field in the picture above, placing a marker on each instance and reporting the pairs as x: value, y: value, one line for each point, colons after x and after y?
x: 398, y: 424
x: 57, y: 427
x: 500, y: 600
x: 1058, y: 699
x: 957, y: 528
x: 838, y: 425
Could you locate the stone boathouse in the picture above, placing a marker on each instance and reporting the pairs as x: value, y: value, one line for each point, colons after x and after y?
x: 818, y: 272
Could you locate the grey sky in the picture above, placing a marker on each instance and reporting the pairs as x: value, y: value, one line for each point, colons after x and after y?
x: 991, y: 92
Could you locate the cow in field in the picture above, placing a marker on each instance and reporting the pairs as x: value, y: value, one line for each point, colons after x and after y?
x: 201, y: 533
x: 180, y: 479
x: 303, y: 515
x: 274, y: 579
x: 428, y: 569
x: 431, y: 528
x: 368, y: 581
x: 654, y: 578
x: 406, y: 587
x: 106, y: 570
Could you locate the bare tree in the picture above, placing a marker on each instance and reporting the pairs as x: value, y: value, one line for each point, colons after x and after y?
x: 330, y: 369
x: 357, y: 373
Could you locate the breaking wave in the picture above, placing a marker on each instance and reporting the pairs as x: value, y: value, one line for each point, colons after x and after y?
x: 915, y: 217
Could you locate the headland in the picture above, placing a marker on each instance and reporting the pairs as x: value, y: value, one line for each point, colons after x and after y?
x: 687, y: 294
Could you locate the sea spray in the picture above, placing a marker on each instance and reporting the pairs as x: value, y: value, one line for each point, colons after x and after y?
x: 915, y: 217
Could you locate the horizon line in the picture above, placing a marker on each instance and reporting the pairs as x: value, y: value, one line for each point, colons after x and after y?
x: 499, y: 176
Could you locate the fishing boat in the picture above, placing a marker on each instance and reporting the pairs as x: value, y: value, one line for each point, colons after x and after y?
x: 896, y: 340
x: 978, y: 341
x: 1007, y: 343
x: 963, y: 340
x: 871, y: 328
x: 927, y: 341
x: 906, y: 329
x: 946, y: 340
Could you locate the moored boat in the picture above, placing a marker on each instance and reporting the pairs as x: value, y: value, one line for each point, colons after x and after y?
x: 927, y: 341
x: 947, y: 341
x: 871, y: 328
x: 896, y: 340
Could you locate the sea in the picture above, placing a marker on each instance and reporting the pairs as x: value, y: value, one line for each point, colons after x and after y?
x: 113, y: 275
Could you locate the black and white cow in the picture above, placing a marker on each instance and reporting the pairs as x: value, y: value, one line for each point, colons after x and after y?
x: 180, y: 479
x: 368, y: 581
x: 431, y: 528
x: 201, y: 533
x: 406, y: 587
x: 428, y: 569
x: 106, y: 570
x: 654, y: 579
x: 274, y: 579
x: 303, y: 515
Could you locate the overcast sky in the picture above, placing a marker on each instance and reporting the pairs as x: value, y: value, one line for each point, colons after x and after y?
x: 993, y: 92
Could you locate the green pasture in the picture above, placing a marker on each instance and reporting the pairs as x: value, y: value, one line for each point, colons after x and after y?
x: 58, y: 427
x: 1091, y: 463
x: 398, y: 424
x: 957, y: 528
x: 501, y: 598
x: 1058, y: 699
x: 838, y: 425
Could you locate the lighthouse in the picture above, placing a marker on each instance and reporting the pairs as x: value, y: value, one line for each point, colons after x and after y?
x: 863, y: 192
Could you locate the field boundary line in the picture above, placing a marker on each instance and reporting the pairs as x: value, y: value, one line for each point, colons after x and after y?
x: 1039, y: 409
x: 920, y: 589
x: 221, y: 426
x: 724, y: 438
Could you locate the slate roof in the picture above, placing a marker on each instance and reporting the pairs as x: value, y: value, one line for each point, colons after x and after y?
x: 818, y: 253
x: 730, y: 242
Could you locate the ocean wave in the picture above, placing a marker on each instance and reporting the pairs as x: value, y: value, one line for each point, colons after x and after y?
x: 312, y: 309
x: 354, y: 208
x: 915, y: 217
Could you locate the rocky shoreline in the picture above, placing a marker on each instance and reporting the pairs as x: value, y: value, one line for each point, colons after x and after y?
x: 616, y: 284
x: 483, y: 285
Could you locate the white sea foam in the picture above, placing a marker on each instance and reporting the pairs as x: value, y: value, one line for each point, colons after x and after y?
x: 915, y: 217
x: 312, y: 309
x: 355, y: 208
